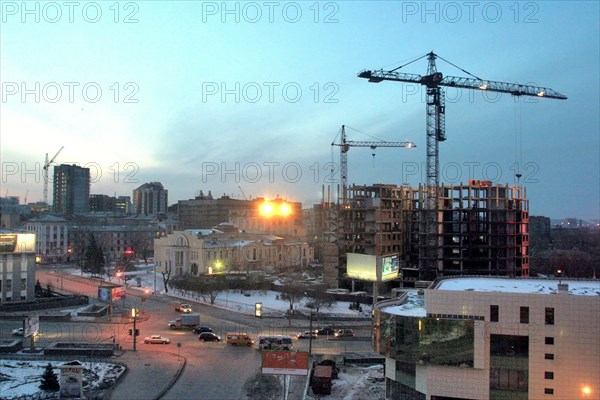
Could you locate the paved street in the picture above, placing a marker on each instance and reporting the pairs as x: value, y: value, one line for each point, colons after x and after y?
x: 207, y: 370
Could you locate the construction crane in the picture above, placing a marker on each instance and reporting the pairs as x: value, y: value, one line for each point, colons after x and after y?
x: 436, y: 132
x: 46, y: 166
x: 345, y: 145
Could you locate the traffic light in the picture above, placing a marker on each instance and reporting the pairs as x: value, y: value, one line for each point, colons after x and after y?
x: 131, y: 332
x: 137, y: 332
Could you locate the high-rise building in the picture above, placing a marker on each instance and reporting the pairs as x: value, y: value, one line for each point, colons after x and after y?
x: 71, y: 193
x: 150, y: 199
x: 480, y: 229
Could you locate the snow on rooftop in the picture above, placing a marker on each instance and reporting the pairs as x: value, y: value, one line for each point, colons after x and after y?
x: 523, y: 285
x: 414, y: 306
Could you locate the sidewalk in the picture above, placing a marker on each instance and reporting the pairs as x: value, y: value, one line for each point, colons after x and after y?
x: 149, y: 374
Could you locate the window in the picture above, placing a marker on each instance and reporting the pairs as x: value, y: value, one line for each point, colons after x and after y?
x: 548, y: 375
x: 549, y: 340
x: 524, y: 317
x: 549, y: 316
x: 494, y: 313
x: 23, y: 284
x: 549, y: 356
x: 548, y: 391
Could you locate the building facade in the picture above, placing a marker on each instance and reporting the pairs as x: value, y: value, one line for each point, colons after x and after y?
x: 17, y: 266
x: 204, y: 212
x: 491, y: 338
x: 275, y: 217
x: 150, y: 199
x: 52, y: 239
x: 206, y: 251
x: 71, y: 189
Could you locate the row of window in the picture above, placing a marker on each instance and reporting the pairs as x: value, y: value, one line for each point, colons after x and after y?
x: 8, y: 286
x: 523, y: 315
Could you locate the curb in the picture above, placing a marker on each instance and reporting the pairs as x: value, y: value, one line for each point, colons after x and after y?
x: 174, y: 379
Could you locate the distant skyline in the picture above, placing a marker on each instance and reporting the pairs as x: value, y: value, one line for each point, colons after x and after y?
x: 245, y: 98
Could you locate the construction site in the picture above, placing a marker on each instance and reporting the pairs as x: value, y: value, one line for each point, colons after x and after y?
x: 481, y: 229
x: 475, y: 228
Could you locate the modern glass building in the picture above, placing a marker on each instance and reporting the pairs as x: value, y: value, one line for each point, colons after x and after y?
x: 467, y: 338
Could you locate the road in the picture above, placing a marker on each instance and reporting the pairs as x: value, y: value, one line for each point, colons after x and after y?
x: 214, y: 370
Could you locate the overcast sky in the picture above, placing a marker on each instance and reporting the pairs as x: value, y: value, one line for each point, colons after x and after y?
x: 245, y: 98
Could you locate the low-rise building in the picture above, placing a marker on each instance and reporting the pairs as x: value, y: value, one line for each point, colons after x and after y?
x: 17, y: 266
x: 209, y: 251
x: 52, y: 234
x: 492, y: 338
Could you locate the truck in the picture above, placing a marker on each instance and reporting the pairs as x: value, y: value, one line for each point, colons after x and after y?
x: 188, y: 321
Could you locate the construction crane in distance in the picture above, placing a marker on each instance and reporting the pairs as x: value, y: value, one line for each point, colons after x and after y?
x: 46, y: 166
x: 434, y: 81
x: 345, y: 145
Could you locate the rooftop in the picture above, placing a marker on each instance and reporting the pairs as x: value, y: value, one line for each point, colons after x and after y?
x: 519, y: 285
x: 414, y: 305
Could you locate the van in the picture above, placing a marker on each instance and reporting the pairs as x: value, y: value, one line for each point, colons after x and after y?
x: 239, y: 339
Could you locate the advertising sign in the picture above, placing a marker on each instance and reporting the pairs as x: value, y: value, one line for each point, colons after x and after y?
x: 104, y: 294
x: 32, y: 325
x: 119, y: 292
x: 285, y: 362
x: 389, y: 267
x: 71, y: 380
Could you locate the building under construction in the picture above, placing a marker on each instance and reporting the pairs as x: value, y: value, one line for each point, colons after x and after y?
x: 481, y: 229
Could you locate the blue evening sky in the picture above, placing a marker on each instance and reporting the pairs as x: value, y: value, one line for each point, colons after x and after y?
x: 221, y: 96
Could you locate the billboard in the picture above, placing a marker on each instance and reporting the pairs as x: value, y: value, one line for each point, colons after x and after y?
x: 362, y: 266
x: 372, y: 268
x: 17, y: 242
x: 285, y: 362
x: 71, y: 380
x: 389, y: 267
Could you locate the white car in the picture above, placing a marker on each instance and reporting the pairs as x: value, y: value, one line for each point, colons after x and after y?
x: 19, y: 332
x: 184, y: 308
x: 156, y: 339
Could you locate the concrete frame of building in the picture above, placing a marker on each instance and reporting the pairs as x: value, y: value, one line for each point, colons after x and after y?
x: 492, y: 338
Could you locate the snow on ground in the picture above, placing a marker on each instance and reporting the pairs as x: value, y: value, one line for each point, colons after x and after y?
x: 230, y: 299
x: 19, y: 378
x: 357, y: 383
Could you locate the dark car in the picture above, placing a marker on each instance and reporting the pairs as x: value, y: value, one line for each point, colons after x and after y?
x: 209, y: 337
x: 326, y: 330
x: 200, y: 329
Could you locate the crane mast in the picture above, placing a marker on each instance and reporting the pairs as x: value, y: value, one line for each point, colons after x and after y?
x: 46, y: 166
x: 434, y: 81
x: 345, y: 145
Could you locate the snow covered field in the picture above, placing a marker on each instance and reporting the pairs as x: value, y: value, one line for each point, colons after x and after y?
x: 19, y: 378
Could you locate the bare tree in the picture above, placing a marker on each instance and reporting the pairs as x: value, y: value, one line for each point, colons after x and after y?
x: 292, y: 293
x: 166, y: 275
x: 319, y: 298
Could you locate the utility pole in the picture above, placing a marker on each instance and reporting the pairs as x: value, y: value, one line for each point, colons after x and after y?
x: 310, y: 337
x: 134, y: 313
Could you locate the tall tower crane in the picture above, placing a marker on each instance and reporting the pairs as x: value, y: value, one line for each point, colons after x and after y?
x: 434, y: 81
x: 345, y: 145
x: 46, y: 166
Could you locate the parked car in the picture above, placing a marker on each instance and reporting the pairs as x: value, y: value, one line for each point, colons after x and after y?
x: 307, y: 335
x: 156, y: 339
x: 19, y: 332
x: 200, y: 329
x: 345, y: 333
x: 184, y: 308
x: 209, y: 337
x: 326, y: 330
